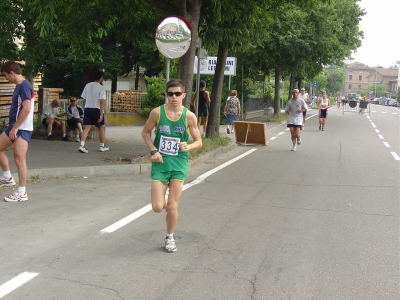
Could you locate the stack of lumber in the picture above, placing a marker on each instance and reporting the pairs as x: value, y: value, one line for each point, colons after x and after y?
x: 126, y: 101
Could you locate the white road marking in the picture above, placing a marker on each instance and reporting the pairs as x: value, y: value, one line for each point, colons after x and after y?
x: 117, y: 225
x: 373, y: 125
x: 274, y: 137
x: 380, y: 136
x: 386, y: 144
x: 16, y: 282
x: 396, y: 157
x: 394, y: 113
x: 384, y: 112
x: 377, y: 130
x: 280, y: 133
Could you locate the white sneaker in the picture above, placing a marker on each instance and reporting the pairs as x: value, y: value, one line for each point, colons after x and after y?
x: 170, y: 245
x: 104, y: 148
x: 83, y: 149
x: 298, y: 141
x: 7, y: 182
x: 15, y: 197
x: 77, y: 139
x: 294, y: 147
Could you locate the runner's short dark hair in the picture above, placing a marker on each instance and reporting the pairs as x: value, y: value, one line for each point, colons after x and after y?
x: 10, y: 66
x: 175, y: 83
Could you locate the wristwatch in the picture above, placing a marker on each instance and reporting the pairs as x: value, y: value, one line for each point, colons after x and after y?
x: 152, y: 152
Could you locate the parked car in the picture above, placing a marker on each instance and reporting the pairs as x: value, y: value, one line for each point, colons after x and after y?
x: 375, y: 101
x: 392, y: 102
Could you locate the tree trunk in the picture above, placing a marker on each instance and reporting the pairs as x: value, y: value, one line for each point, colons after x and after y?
x: 291, y: 85
x: 137, y: 78
x: 186, y: 63
x: 277, y: 98
x: 215, y: 108
x: 299, y: 86
x: 114, y: 81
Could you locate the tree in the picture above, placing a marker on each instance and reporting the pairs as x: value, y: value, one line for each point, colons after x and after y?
x: 335, y: 81
x: 381, y: 89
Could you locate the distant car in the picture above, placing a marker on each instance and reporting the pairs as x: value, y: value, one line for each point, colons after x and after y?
x: 375, y: 101
x: 392, y: 102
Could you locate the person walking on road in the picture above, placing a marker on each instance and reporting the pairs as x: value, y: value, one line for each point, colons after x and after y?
x: 94, y: 95
x: 295, y: 108
x: 170, y: 153
x: 324, y: 104
x: 306, y: 98
x: 204, y: 104
x: 231, y: 110
x: 18, y: 132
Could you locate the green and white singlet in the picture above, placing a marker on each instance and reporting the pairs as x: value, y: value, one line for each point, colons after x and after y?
x: 168, y: 134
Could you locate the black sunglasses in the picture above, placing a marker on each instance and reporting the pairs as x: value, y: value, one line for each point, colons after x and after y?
x: 170, y: 94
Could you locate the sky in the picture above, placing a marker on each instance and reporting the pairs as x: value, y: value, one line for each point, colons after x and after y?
x: 381, y: 27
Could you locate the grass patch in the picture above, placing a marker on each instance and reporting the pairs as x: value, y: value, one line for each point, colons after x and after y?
x: 210, y: 144
x: 278, y: 118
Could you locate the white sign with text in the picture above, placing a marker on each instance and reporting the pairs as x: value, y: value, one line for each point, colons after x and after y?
x: 209, y: 64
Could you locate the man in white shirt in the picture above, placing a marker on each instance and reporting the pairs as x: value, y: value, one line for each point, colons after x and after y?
x: 50, y: 114
x: 295, y: 108
x: 94, y: 95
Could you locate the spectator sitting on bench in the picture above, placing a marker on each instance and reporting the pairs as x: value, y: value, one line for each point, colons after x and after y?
x: 75, y: 117
x: 49, y: 119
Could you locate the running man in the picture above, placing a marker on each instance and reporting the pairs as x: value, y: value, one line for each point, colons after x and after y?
x: 18, y: 132
x: 295, y: 108
x: 170, y: 153
x: 306, y: 98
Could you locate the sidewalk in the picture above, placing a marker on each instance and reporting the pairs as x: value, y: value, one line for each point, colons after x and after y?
x: 62, y: 159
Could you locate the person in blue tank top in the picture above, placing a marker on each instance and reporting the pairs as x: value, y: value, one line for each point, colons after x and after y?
x: 170, y: 153
x: 18, y: 132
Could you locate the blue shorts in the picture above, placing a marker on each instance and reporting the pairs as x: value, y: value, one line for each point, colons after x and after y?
x: 25, y: 134
x: 90, y: 117
x: 230, y: 118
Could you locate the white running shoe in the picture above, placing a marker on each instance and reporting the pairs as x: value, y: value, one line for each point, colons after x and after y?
x: 294, y: 147
x: 77, y: 139
x: 104, y: 148
x: 7, y: 182
x: 83, y: 149
x: 170, y: 245
x: 298, y: 141
x: 15, y: 197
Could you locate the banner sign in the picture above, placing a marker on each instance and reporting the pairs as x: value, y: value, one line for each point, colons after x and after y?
x: 209, y: 64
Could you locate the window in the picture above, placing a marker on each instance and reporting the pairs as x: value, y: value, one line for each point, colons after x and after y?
x: 359, y: 77
x: 350, y: 86
x: 350, y: 77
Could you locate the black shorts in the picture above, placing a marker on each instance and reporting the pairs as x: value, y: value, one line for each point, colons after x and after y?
x: 203, y: 111
x: 73, y: 123
x: 45, y: 124
x: 304, y: 113
x: 323, y: 114
x: 91, y: 116
x: 295, y: 126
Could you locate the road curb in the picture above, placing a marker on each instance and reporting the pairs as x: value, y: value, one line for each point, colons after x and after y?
x: 118, y: 169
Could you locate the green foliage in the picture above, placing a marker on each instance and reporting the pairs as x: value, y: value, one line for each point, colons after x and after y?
x: 155, y: 95
x: 335, y: 82
x: 210, y: 144
x: 381, y: 89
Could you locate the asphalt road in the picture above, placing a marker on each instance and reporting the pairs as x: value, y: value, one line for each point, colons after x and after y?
x: 259, y: 222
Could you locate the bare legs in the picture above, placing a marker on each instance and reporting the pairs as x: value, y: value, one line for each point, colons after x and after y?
x: 158, y: 190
